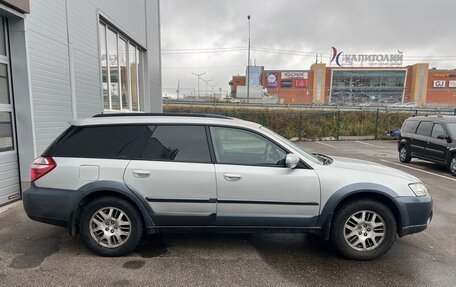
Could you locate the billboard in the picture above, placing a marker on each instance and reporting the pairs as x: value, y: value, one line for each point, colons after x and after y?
x: 271, y: 80
x: 255, y: 75
x: 294, y: 75
x: 300, y: 83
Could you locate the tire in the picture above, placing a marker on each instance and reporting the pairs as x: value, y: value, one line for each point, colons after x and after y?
x: 452, y: 165
x: 404, y: 154
x: 111, y: 226
x: 346, y: 241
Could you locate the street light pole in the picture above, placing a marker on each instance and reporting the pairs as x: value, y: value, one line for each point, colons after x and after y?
x: 207, y: 81
x: 199, y: 77
x: 248, y: 65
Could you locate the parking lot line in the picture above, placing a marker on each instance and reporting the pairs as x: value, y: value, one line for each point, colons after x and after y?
x: 326, y: 144
x: 369, y: 144
x: 414, y: 168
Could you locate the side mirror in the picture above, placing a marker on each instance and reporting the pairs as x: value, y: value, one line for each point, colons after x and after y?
x: 291, y: 161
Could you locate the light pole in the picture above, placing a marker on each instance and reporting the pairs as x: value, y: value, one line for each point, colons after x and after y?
x: 212, y: 89
x: 248, y: 65
x: 207, y: 81
x: 199, y: 77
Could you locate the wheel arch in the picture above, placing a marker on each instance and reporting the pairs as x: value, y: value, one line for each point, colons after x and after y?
x: 352, y: 192
x: 99, y: 189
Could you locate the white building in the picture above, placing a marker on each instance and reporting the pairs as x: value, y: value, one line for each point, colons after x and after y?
x: 66, y: 59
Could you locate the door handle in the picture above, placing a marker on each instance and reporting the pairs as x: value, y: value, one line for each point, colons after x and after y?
x: 141, y: 173
x: 232, y: 177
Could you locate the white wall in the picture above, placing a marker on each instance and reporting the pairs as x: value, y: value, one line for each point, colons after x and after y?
x: 64, y: 63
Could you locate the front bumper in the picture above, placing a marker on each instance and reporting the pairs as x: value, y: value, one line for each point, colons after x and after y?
x: 52, y: 206
x: 416, y: 213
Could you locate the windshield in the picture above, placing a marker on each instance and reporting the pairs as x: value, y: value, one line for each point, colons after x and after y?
x: 452, y: 128
x: 308, y: 155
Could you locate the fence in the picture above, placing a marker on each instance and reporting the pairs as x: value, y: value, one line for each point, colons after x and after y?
x: 313, y: 124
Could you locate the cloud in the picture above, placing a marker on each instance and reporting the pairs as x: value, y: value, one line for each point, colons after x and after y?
x: 419, y: 28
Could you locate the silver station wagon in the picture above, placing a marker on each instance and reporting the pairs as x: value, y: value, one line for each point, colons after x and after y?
x: 114, y: 177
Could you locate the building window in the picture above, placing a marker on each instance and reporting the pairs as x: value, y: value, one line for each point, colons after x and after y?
x: 363, y: 86
x: 121, y: 71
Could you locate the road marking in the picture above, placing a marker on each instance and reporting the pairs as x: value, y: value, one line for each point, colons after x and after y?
x: 369, y: 144
x: 414, y: 168
x: 326, y: 144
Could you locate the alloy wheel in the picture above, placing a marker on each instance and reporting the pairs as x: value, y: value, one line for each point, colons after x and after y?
x: 110, y: 227
x: 364, y: 230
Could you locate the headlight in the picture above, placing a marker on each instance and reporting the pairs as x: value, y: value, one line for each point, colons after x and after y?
x: 418, y: 189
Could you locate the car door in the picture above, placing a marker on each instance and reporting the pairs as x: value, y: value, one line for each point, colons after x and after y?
x: 437, y: 147
x: 173, y: 171
x: 421, y: 139
x: 254, y: 188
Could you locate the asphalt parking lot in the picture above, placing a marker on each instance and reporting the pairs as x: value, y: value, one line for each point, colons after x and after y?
x: 35, y: 254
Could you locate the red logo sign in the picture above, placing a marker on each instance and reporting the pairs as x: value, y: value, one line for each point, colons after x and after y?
x: 301, y: 83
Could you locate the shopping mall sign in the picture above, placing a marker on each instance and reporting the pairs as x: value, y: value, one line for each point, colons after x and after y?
x: 343, y: 59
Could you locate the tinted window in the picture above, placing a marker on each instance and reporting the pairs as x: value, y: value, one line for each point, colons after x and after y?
x: 101, y: 141
x: 177, y: 143
x: 452, y: 128
x: 236, y: 146
x: 438, y: 130
x: 409, y: 126
x: 424, y: 129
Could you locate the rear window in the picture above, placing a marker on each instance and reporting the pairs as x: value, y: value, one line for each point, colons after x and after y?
x: 424, y: 129
x: 177, y: 143
x: 409, y: 127
x: 117, y: 142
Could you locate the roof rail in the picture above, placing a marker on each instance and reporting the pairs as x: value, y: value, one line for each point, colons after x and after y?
x: 195, y: 115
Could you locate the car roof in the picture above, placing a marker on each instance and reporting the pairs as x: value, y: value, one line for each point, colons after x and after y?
x: 163, y: 118
x: 441, y: 118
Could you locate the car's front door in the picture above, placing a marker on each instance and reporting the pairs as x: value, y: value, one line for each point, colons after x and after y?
x: 173, y: 171
x: 254, y: 188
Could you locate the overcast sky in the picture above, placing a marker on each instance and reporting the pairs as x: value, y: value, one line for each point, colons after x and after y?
x: 423, y: 30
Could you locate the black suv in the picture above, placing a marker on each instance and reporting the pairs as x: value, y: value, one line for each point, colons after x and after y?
x: 432, y: 138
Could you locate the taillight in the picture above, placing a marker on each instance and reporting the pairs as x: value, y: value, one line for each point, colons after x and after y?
x: 41, y: 166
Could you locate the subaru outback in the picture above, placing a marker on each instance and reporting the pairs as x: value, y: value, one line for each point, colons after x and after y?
x: 115, y: 177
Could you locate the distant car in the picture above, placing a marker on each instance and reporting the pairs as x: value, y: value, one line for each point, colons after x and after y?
x: 231, y: 100
x: 166, y: 98
x: 432, y: 138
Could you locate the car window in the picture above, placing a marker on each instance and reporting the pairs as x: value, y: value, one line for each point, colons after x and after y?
x: 236, y: 146
x: 424, y: 129
x: 116, y: 142
x: 438, y: 130
x: 409, y: 126
x: 452, y: 128
x: 177, y: 143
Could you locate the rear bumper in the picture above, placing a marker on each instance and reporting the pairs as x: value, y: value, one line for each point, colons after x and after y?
x: 416, y: 213
x: 51, y: 206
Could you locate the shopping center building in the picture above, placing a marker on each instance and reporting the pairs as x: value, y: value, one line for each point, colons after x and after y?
x: 322, y: 84
x: 62, y: 60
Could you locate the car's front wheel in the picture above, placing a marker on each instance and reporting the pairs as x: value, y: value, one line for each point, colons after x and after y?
x: 363, y: 229
x: 404, y: 154
x: 452, y: 165
x: 111, y: 226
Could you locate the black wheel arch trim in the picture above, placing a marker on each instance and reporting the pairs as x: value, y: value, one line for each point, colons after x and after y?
x: 114, y: 187
x: 326, y: 215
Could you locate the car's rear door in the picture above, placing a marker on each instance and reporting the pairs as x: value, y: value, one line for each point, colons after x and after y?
x: 174, y: 173
x: 421, y: 139
x: 437, y: 147
x: 253, y: 186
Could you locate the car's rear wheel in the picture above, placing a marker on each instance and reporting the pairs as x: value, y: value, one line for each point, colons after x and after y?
x: 111, y: 226
x: 404, y: 154
x: 364, y: 229
x: 452, y: 165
